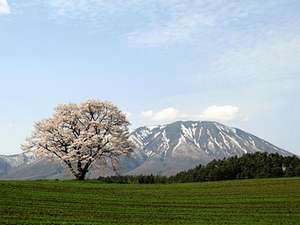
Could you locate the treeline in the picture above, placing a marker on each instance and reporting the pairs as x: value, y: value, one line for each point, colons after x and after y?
x: 249, y: 166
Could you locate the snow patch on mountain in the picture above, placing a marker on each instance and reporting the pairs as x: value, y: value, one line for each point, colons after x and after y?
x: 189, y: 143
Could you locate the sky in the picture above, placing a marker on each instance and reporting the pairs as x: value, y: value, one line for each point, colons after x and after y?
x: 232, y: 61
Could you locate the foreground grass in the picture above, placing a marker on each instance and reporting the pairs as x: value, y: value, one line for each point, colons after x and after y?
x: 265, y: 201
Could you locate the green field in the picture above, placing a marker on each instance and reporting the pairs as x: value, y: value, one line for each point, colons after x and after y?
x: 265, y: 201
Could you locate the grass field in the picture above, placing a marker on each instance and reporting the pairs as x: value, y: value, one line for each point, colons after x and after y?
x: 265, y: 201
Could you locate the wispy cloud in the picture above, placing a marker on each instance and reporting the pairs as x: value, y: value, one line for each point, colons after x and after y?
x: 4, y: 7
x: 196, y: 21
x: 273, y: 58
x: 165, y: 22
x: 180, y: 29
x: 96, y: 12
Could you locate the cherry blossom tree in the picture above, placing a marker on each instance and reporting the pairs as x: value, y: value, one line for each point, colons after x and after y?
x: 81, y: 134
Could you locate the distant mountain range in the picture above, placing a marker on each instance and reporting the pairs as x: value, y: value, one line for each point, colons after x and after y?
x: 162, y: 150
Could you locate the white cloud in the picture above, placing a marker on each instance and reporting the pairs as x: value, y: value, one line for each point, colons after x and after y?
x: 165, y: 115
x: 4, y: 7
x: 224, y: 113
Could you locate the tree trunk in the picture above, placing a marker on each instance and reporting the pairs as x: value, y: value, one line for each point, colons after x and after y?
x: 81, y: 171
x: 81, y: 175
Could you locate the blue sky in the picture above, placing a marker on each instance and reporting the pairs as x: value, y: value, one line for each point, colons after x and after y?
x: 232, y: 61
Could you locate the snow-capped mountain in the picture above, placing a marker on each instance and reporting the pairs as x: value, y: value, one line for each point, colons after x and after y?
x: 182, y: 145
x: 163, y: 150
x: 13, y: 161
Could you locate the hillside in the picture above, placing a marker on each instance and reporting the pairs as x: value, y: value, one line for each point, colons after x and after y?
x: 249, y: 166
x: 10, y: 162
x: 252, y: 202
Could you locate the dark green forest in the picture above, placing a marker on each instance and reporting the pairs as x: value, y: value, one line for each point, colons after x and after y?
x: 249, y: 166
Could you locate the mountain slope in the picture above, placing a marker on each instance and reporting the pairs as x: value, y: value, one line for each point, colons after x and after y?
x: 9, y: 162
x: 182, y: 145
